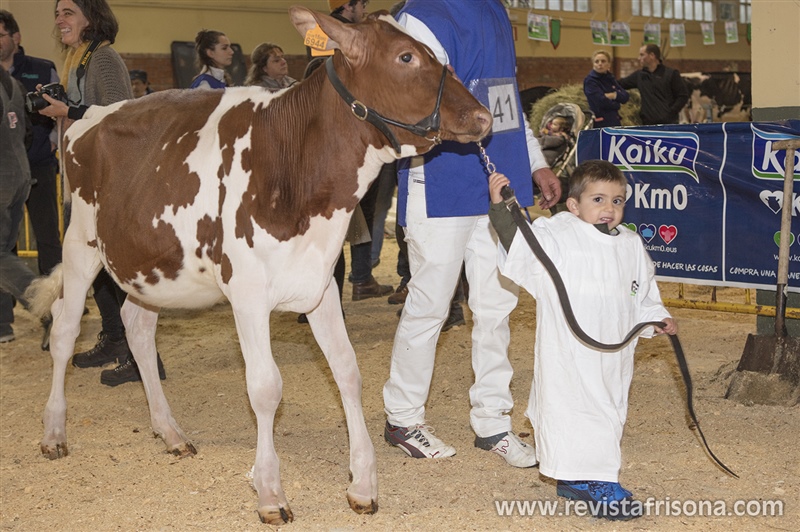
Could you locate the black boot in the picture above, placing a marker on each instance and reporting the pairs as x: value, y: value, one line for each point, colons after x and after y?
x: 128, y: 371
x: 455, y: 318
x: 104, y: 352
x: 47, y: 324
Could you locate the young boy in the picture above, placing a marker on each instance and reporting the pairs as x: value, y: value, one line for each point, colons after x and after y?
x: 579, y: 397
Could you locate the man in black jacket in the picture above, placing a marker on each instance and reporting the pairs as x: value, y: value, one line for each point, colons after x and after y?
x: 663, y: 91
x: 42, y: 202
x: 15, y: 182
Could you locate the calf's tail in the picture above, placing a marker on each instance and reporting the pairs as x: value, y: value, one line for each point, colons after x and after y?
x: 43, y: 291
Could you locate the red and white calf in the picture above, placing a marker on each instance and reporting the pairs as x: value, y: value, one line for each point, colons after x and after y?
x: 187, y: 197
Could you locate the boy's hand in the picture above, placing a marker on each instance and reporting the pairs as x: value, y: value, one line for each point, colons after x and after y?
x: 671, y: 327
x: 496, y: 182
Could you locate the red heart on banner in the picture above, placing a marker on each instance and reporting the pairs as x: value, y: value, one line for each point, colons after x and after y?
x: 667, y: 233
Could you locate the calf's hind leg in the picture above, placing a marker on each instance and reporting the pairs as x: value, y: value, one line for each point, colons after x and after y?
x: 140, y: 322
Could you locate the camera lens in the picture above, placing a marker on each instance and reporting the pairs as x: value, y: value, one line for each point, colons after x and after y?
x: 34, y: 102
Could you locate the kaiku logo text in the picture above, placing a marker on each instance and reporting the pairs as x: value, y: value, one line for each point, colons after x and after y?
x: 646, y: 151
x: 769, y: 164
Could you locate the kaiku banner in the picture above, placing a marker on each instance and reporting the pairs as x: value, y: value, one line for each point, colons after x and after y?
x: 706, y: 198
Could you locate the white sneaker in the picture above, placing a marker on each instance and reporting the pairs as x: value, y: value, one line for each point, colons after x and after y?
x: 514, y: 451
x: 417, y: 441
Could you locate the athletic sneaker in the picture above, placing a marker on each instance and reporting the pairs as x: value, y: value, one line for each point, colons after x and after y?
x: 606, y: 499
x: 417, y: 441
x: 514, y: 451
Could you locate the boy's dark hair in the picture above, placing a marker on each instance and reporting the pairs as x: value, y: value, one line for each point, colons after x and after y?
x: 7, y: 20
x: 103, y: 25
x: 592, y: 172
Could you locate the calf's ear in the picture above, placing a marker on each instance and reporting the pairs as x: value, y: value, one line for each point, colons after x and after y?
x: 339, y: 35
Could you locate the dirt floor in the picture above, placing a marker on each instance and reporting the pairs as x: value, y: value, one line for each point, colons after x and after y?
x: 117, y: 477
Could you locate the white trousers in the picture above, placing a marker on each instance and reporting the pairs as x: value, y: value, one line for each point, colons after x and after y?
x: 436, y: 249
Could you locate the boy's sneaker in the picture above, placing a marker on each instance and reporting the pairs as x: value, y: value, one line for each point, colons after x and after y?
x: 104, y: 352
x: 606, y: 499
x: 128, y: 371
x: 514, y: 451
x: 417, y: 441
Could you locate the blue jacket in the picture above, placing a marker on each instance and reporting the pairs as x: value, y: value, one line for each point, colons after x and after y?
x: 479, y: 42
x: 32, y: 71
x: 212, y: 81
x: 605, y: 110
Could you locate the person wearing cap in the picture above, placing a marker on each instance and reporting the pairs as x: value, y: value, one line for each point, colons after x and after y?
x: 348, y: 10
x: 139, y: 83
x: 269, y: 69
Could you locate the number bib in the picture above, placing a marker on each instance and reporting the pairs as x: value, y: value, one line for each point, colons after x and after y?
x: 500, y: 96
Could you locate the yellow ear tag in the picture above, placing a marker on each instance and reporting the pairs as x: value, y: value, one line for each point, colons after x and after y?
x: 317, y: 41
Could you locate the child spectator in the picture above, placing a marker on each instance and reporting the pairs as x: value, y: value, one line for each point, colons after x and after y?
x: 579, y: 397
x: 554, y: 139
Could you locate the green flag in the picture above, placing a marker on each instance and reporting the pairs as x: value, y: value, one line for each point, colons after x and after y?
x: 555, y: 32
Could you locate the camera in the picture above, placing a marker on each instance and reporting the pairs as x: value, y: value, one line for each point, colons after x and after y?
x: 35, y: 102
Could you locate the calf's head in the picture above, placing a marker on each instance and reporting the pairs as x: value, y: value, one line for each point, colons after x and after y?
x: 396, y: 77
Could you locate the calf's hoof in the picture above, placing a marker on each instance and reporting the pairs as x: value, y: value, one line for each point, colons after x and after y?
x: 275, y: 516
x: 363, y: 508
x: 54, y: 451
x: 183, y: 450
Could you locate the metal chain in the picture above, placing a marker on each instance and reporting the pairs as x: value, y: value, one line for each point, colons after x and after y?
x: 489, y: 164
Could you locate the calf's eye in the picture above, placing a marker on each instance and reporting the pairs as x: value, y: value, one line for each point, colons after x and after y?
x: 406, y: 58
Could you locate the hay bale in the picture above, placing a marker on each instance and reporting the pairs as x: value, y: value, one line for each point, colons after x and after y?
x: 629, y: 112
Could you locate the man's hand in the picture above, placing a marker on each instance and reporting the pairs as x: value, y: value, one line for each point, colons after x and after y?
x: 549, y: 186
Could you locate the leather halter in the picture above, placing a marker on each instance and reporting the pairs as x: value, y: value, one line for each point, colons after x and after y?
x: 362, y: 112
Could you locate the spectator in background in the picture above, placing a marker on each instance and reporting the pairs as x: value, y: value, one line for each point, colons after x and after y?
x: 604, y: 93
x: 95, y: 74
x: 139, y: 83
x: 269, y: 68
x: 42, y: 201
x: 214, y: 55
x: 15, y: 182
x: 663, y: 91
x: 387, y: 183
